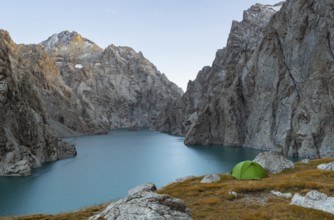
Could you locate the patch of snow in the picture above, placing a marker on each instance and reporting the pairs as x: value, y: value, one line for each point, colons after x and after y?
x: 97, y: 64
x: 78, y: 66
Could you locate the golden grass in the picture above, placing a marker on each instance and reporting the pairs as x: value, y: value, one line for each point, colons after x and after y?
x: 253, y: 202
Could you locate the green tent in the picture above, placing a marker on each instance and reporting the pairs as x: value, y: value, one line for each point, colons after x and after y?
x: 248, y: 170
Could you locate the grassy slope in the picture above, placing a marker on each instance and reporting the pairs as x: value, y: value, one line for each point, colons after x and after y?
x: 254, y: 201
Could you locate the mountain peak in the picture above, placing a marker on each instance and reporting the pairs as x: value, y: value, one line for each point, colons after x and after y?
x: 65, y: 39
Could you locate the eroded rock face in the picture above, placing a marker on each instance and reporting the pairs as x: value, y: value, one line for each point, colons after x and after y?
x: 270, y: 86
x: 212, y: 110
x: 145, y: 204
x: 26, y: 141
x: 116, y: 87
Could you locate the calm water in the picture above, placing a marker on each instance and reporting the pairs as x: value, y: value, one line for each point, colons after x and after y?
x: 107, y: 166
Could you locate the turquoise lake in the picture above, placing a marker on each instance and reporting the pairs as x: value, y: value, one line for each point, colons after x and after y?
x: 107, y: 166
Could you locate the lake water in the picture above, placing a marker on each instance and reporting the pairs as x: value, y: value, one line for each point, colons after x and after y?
x: 107, y: 166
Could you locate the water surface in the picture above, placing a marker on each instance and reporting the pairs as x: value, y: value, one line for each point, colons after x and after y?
x: 107, y: 166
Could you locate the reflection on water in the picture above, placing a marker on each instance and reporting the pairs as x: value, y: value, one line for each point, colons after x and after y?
x: 107, y: 166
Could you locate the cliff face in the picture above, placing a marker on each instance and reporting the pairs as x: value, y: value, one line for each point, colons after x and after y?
x: 26, y: 141
x: 267, y: 89
x: 219, y: 80
x: 115, y: 87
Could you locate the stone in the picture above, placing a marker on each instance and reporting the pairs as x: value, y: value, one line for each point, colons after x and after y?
x: 212, y: 178
x: 145, y: 204
x: 148, y: 187
x: 233, y: 194
x: 315, y: 200
x: 273, y: 163
x: 328, y: 166
x: 281, y: 195
x: 306, y: 160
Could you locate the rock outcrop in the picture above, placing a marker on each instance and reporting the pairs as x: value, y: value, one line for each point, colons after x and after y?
x: 116, y: 87
x: 212, y: 178
x: 315, y: 200
x: 26, y: 140
x: 271, y: 85
x: 273, y: 163
x: 146, y: 204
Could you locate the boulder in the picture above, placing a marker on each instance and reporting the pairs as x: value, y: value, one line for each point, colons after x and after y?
x: 314, y: 200
x: 328, y: 166
x: 273, y: 163
x: 212, y: 178
x: 148, y: 187
x: 143, y: 203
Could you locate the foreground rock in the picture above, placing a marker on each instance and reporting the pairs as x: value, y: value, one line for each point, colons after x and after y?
x: 314, y: 200
x: 273, y: 163
x: 212, y: 178
x: 327, y: 166
x: 26, y: 140
x: 143, y: 203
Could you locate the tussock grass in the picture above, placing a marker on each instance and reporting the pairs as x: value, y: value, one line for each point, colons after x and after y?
x: 253, y: 202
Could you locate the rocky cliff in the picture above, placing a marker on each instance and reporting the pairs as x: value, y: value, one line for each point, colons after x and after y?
x: 270, y: 86
x: 115, y: 87
x: 26, y: 140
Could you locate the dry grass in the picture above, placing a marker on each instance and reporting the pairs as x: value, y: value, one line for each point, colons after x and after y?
x: 254, y: 200
x: 77, y: 215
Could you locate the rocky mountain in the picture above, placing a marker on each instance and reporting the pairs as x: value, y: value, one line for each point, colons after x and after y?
x: 270, y: 86
x: 26, y: 139
x: 115, y: 87
x: 204, y: 90
x: 67, y: 85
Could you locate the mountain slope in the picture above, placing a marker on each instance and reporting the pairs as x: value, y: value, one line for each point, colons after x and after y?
x: 115, y: 87
x: 277, y: 93
x: 210, y: 81
x: 26, y: 141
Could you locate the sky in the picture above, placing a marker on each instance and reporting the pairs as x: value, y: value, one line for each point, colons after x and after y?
x: 180, y: 37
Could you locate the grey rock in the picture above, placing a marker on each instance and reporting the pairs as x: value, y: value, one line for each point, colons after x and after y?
x: 212, y: 178
x: 26, y: 139
x: 271, y: 85
x: 305, y: 160
x: 314, y: 200
x: 233, y: 194
x: 145, y: 204
x: 111, y: 88
x: 281, y: 195
x: 328, y: 166
x: 148, y: 187
x: 273, y: 163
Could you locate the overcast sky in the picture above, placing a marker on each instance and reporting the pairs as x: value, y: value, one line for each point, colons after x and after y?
x: 178, y: 36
